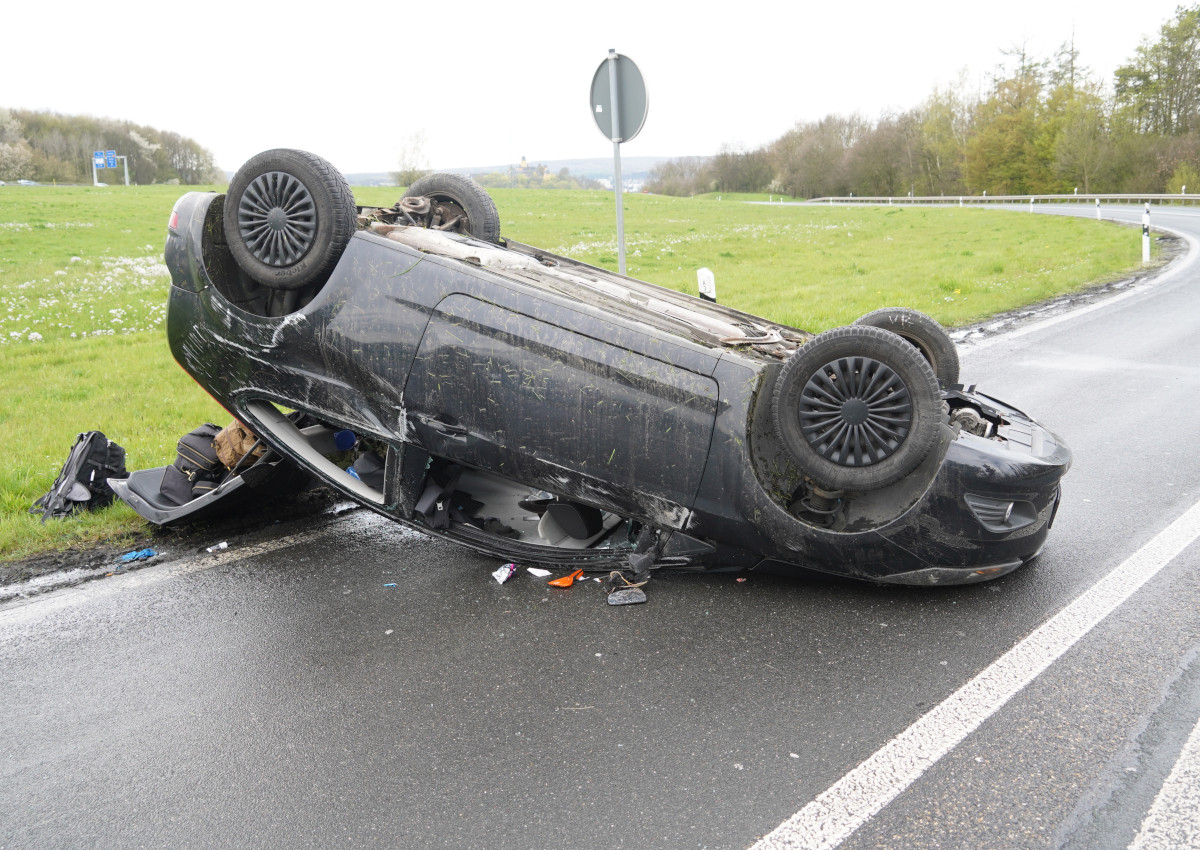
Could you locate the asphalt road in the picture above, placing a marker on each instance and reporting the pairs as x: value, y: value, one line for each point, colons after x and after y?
x: 283, y: 694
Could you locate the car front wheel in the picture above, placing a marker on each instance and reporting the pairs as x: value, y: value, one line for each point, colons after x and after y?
x: 925, y: 333
x: 857, y: 407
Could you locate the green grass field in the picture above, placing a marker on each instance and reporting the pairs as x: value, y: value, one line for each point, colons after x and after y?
x: 83, y: 293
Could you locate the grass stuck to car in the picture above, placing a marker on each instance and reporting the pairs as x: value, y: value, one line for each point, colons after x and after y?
x: 543, y: 410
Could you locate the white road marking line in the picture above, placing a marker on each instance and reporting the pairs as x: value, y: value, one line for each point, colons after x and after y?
x: 859, y: 795
x: 1172, y: 821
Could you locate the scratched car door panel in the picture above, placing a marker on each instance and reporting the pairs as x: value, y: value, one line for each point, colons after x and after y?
x: 555, y: 408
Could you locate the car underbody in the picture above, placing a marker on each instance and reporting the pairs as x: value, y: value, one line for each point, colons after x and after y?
x: 542, y: 410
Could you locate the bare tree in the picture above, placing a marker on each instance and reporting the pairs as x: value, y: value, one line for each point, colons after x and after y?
x: 411, y: 159
x: 16, y: 157
x: 685, y: 176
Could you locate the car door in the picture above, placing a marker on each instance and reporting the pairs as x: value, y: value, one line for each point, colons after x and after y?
x: 559, y: 408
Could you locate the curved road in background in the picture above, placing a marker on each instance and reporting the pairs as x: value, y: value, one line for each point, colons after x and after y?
x: 354, y: 684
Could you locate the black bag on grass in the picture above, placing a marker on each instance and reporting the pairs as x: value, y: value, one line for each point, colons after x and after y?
x: 82, y: 485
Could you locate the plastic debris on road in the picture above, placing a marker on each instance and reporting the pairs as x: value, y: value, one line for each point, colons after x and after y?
x: 138, y: 555
x: 538, y: 572
x: 504, y: 573
x: 622, y: 591
x: 218, y: 547
x: 565, y: 581
x: 627, y: 596
x: 390, y: 584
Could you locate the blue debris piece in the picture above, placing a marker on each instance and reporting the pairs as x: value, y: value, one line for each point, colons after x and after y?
x: 138, y: 555
x: 393, y: 584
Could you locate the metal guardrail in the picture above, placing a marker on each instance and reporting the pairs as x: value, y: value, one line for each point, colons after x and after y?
x: 963, y: 200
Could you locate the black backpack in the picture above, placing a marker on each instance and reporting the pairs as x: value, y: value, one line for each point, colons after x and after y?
x: 82, y: 485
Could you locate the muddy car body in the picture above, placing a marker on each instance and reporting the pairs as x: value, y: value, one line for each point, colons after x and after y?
x: 545, y: 411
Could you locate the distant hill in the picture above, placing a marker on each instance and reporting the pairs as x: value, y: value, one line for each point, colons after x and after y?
x: 635, y: 168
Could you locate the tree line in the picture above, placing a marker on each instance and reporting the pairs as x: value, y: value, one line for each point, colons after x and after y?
x: 49, y: 147
x: 1043, y: 126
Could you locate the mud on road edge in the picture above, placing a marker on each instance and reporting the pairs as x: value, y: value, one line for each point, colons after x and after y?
x: 304, y: 510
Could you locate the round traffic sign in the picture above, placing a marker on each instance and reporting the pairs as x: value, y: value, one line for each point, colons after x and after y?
x: 631, y: 99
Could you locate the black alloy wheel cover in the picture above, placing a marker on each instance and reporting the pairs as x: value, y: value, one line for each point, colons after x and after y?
x: 857, y: 408
x: 287, y: 217
x: 855, y: 411
x: 277, y: 218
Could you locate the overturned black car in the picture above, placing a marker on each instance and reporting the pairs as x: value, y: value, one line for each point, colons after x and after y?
x: 545, y: 411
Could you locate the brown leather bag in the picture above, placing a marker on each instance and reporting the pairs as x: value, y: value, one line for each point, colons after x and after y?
x: 234, y: 441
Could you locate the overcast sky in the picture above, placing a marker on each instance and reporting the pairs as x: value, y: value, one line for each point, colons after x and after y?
x: 490, y: 82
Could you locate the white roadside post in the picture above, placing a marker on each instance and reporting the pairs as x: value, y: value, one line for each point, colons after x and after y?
x: 1097, y: 209
x: 707, y: 282
x: 1146, y: 234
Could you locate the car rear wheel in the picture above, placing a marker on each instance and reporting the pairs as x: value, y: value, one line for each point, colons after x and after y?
x: 857, y: 407
x: 288, y: 216
x: 925, y: 333
x: 457, y: 204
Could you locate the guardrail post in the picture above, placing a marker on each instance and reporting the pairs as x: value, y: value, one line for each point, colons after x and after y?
x: 1146, y: 234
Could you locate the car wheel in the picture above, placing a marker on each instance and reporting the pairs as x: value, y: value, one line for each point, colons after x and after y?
x: 857, y: 407
x: 923, y: 332
x: 288, y: 217
x: 457, y: 203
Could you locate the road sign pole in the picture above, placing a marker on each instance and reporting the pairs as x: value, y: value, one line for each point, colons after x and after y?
x: 617, y: 87
x: 615, y: 112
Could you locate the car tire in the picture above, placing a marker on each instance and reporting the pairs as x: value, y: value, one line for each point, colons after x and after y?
x: 288, y: 217
x: 923, y: 332
x: 459, y: 196
x: 857, y: 408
